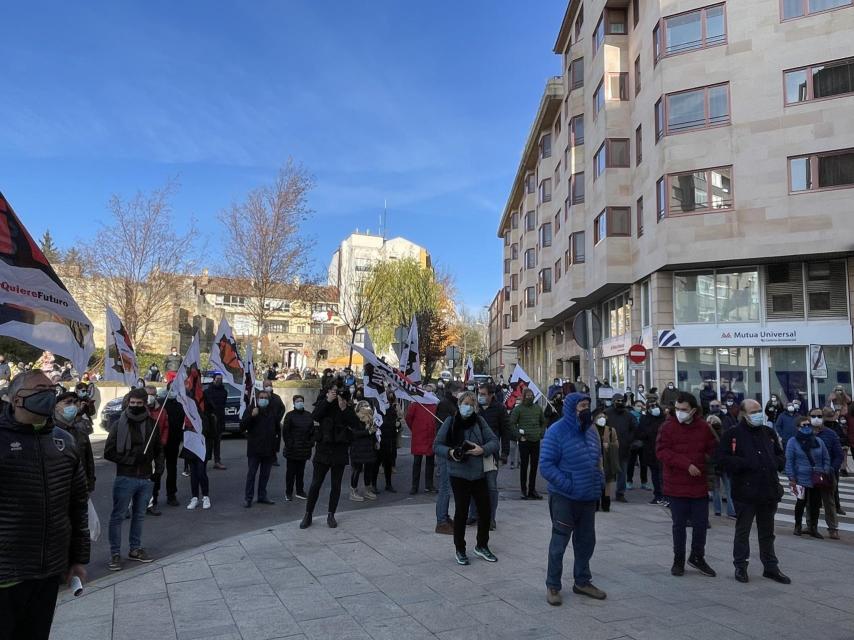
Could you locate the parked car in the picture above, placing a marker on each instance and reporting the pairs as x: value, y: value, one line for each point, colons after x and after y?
x: 445, y: 375
x: 480, y: 378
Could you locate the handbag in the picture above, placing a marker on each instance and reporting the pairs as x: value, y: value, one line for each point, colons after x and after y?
x: 821, y: 480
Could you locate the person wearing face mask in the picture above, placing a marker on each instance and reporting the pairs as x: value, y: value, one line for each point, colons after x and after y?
x: 132, y: 445
x: 774, y: 408
x: 277, y: 409
x: 570, y: 461
x: 752, y: 456
x: 388, y: 444
x: 171, y: 364
x: 154, y: 406
x: 650, y: 423
x: 669, y: 395
x: 491, y: 410
x: 707, y: 394
x: 730, y: 418
x: 806, y: 455
x: 153, y: 374
x: 610, y: 458
x: 447, y: 408
x: 66, y: 416
x: 469, y: 446
x: 786, y: 424
x: 685, y: 441
x: 421, y: 419
x: 636, y: 452
x: 640, y: 396
x: 839, y: 400
x: 846, y: 443
x: 44, y: 526
x: 527, y: 426
x: 175, y: 418
x: 821, y: 420
x: 216, y: 397
x: 297, y: 434
x: 260, y: 427
x: 621, y: 420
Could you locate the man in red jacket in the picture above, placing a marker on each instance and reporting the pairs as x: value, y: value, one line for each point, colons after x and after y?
x: 684, y: 444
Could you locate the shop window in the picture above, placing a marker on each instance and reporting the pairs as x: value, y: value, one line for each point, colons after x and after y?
x: 787, y: 373
x: 737, y: 296
x: 838, y: 360
x: 693, y: 368
x: 694, y: 297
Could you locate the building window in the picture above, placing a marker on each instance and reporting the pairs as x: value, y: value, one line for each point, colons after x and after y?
x: 514, y: 313
x: 514, y: 282
x: 637, y: 76
x: 659, y: 120
x: 566, y: 260
x: 646, y: 314
x: 531, y: 258
x: 546, y: 190
x: 828, y: 170
x: 709, y: 297
x: 611, y: 223
x: 557, y: 270
x: 576, y: 248
x: 818, y: 81
x: 635, y: 13
x: 557, y: 125
x: 577, y: 131
x: 514, y: 220
x: 546, y: 146
x: 557, y: 175
x: 613, y: 22
x: 579, y: 21
x: 639, y: 214
x: 618, y: 86
x: 638, y: 145
x: 530, y: 183
x: 530, y: 221
x: 800, y: 8
x: 546, y: 235
x: 660, y: 199
x: 578, y: 188
x: 576, y: 74
x: 599, y: 98
x: 506, y: 320
x: 700, y: 191
x: 514, y: 251
x: 506, y: 238
x: 616, y: 316
x: 278, y: 327
x: 230, y: 300
x: 507, y: 293
x: 546, y: 280
x: 614, y: 153
x: 701, y: 108
x: 530, y: 296
x: 506, y: 265
x: 656, y: 44
x: 692, y: 30
x: 557, y: 221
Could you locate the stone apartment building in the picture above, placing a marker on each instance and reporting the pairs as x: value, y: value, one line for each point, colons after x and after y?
x: 687, y: 177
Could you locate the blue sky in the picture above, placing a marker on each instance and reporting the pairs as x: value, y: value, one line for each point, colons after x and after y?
x: 423, y: 104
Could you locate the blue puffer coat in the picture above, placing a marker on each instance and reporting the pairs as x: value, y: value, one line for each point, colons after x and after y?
x: 570, y: 459
x: 798, y: 467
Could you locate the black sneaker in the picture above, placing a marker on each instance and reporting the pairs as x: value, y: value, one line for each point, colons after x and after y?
x: 301, y: 495
x: 139, y: 555
x: 331, y: 522
x: 306, y: 521
x: 115, y: 563
x: 678, y: 568
x: 172, y: 501
x: 485, y: 553
x: 462, y: 558
x: 288, y: 497
x: 534, y: 495
x: 700, y: 565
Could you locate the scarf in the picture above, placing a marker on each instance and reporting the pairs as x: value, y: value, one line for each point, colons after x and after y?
x: 124, y: 440
x: 807, y: 443
x: 457, y: 433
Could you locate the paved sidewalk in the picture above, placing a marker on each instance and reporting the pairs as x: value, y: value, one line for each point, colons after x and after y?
x: 384, y: 575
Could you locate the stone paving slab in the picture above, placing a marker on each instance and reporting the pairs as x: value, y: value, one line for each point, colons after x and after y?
x: 384, y: 575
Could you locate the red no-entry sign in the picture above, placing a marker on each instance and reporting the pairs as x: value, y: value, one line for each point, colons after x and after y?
x: 637, y: 353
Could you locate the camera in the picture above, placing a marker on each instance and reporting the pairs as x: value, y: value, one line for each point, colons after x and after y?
x: 460, y: 452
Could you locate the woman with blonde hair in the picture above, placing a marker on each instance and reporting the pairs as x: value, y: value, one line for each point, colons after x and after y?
x: 363, y: 453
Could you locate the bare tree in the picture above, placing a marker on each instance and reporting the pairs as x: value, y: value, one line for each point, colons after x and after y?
x: 139, y: 261
x: 360, y: 306
x: 265, y: 241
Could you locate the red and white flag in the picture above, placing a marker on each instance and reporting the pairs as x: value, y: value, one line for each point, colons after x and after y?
x: 119, y: 357
x: 248, y: 386
x: 519, y: 381
x: 225, y: 358
x: 189, y: 380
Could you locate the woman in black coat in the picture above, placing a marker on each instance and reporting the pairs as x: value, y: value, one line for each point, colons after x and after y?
x: 388, y: 445
x: 337, y: 422
x: 650, y: 423
x: 363, y: 452
x: 298, y: 436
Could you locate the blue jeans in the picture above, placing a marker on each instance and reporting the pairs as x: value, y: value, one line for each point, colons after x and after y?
x: 717, y: 501
x: 125, y: 490
x: 443, y: 499
x: 577, y: 520
x: 621, y: 478
x: 492, y: 484
x: 697, y: 511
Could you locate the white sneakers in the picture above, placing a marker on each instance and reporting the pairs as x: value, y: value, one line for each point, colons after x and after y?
x: 206, y: 503
x: 193, y: 503
x: 369, y: 494
x: 354, y: 496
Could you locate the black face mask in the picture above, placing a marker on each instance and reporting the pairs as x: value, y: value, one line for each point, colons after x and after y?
x: 41, y: 403
x: 136, y: 411
x: 585, y: 419
x: 619, y: 406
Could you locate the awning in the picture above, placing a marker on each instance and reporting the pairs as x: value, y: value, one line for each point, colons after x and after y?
x: 343, y: 361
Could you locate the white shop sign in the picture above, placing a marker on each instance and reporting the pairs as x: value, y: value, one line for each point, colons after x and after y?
x: 618, y: 346
x: 755, y: 335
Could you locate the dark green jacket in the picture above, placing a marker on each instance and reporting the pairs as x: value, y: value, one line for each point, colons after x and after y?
x: 531, y: 419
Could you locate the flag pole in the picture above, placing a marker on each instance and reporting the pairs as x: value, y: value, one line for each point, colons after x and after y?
x: 147, y: 444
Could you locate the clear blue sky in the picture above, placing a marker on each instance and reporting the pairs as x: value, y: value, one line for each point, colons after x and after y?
x: 425, y: 104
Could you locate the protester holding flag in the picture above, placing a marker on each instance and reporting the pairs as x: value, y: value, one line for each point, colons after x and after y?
x: 175, y: 418
x: 44, y: 532
x: 388, y: 443
x: 337, y: 421
x: 133, y: 446
x: 259, y: 424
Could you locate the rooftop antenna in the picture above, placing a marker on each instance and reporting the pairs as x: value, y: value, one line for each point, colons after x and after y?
x: 384, y: 218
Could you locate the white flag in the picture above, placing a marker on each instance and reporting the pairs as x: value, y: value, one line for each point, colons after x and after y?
x: 469, y: 374
x: 225, y: 358
x: 119, y: 356
x: 35, y: 306
x: 519, y: 375
x: 189, y: 380
x: 404, y: 389
x: 410, y: 358
x: 248, y: 386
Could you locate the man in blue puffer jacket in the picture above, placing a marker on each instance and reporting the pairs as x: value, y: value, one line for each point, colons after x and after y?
x: 571, y: 462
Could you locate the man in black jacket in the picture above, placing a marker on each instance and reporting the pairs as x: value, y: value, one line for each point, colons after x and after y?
x: 44, y: 526
x: 623, y: 422
x: 133, y: 445
x: 171, y: 364
x: 277, y: 408
x: 753, y: 457
x: 175, y: 418
x: 216, y: 397
x: 260, y: 427
x: 297, y: 434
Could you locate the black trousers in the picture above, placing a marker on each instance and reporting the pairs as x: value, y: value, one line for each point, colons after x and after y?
x: 317, y: 478
x: 428, y: 473
x: 198, y: 475
x: 529, y: 452
x: 171, y: 456
x: 636, y: 457
x: 385, y: 459
x: 358, y: 469
x: 265, y: 464
x: 295, y: 474
x: 464, y: 492
x: 26, y: 609
x: 812, y: 501
x: 217, y: 441
x: 764, y: 515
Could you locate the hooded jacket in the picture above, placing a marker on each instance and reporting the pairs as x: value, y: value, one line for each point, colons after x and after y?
x: 80, y: 430
x: 786, y: 425
x: 570, y: 457
x: 679, y: 446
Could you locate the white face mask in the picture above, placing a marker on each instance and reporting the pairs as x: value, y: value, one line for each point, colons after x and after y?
x: 816, y: 422
x: 655, y: 411
x: 683, y: 416
x: 601, y: 421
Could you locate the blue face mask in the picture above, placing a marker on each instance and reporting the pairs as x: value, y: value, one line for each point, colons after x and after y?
x: 482, y: 401
x: 299, y: 406
x: 466, y: 410
x: 756, y: 419
x: 69, y: 412
x: 263, y: 402
x: 806, y: 430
